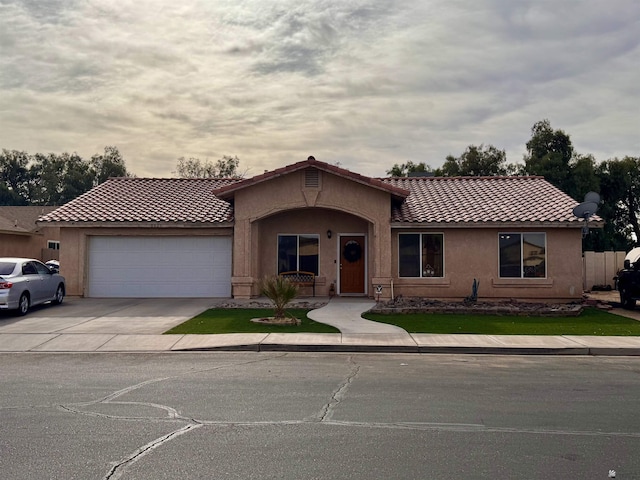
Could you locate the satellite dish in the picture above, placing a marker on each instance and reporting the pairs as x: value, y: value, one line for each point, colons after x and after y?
x: 585, y: 210
x: 592, y: 197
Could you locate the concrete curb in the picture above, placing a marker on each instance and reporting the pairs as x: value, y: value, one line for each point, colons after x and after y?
x: 610, y: 352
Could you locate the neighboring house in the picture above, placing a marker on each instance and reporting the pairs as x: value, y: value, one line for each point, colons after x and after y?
x: 21, y: 237
x: 418, y: 236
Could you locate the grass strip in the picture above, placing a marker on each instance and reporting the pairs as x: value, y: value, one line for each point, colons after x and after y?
x: 591, y: 321
x: 238, y: 320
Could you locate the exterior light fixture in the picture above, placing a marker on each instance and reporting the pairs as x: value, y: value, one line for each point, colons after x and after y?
x: 329, y: 233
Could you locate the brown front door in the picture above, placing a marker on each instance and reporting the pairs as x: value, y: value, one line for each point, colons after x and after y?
x: 352, y: 262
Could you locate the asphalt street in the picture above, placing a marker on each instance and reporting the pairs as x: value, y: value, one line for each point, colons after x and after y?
x: 304, y: 415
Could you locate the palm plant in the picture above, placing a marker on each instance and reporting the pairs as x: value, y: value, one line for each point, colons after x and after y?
x: 280, y: 291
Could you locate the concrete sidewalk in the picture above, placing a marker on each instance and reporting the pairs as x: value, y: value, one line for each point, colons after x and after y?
x: 137, y: 328
x: 333, y: 342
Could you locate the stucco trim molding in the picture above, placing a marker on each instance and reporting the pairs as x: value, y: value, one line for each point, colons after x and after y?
x: 150, y: 225
x: 438, y: 282
x: 522, y: 283
x: 519, y: 225
x: 310, y: 196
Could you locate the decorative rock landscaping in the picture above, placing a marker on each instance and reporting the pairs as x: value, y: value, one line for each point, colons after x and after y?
x: 508, y: 307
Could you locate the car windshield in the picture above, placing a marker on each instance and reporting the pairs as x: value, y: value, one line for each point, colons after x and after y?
x: 6, y: 268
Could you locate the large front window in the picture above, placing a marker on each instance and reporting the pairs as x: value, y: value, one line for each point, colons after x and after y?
x: 523, y: 255
x: 298, y: 253
x: 420, y: 255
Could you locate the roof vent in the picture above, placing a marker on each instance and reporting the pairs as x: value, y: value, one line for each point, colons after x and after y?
x: 312, y: 178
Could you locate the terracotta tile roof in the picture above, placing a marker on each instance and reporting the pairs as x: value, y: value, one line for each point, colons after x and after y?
x: 426, y: 200
x: 21, y: 220
x: 228, y: 190
x: 171, y: 200
x: 482, y: 200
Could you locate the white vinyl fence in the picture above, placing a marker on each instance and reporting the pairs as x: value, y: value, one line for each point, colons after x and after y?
x: 599, y: 268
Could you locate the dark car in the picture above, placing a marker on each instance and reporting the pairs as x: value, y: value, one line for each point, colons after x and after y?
x: 628, y: 279
x: 25, y: 282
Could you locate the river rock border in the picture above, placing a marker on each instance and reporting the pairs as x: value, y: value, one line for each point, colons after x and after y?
x: 510, y: 307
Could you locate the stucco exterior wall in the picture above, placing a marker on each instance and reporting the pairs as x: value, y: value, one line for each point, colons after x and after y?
x: 309, y: 221
x: 30, y: 246
x: 74, y: 243
x: 474, y: 254
x: 283, y: 204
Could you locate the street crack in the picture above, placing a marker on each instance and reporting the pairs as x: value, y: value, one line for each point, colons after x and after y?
x: 172, y: 415
x: 327, y: 411
x: 117, y: 469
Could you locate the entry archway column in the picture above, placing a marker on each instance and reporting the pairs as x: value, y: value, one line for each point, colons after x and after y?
x: 242, y: 278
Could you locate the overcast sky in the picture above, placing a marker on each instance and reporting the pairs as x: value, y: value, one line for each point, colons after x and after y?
x: 362, y: 83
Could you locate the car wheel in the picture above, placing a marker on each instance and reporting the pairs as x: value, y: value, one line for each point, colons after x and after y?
x: 23, y: 304
x: 59, y: 295
x: 625, y: 299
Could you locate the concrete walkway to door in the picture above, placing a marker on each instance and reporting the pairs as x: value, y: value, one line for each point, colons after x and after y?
x: 344, y: 313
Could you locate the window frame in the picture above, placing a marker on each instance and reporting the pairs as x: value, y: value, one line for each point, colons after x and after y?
x: 55, y: 243
x: 522, y: 275
x: 297, y: 235
x: 421, y: 269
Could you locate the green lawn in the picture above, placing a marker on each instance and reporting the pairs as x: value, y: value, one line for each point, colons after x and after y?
x: 591, y: 322
x: 238, y: 320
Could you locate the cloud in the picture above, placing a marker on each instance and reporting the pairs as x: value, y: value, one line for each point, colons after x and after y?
x: 367, y: 84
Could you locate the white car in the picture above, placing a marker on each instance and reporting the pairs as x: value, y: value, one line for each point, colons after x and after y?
x: 25, y: 282
x: 53, y: 265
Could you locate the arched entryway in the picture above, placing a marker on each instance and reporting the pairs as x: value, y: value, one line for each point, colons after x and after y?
x: 333, y: 244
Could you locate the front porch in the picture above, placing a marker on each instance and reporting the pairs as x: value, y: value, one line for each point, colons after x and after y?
x: 334, y: 245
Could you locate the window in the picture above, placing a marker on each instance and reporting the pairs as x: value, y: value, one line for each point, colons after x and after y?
x: 523, y: 255
x: 7, y: 268
x: 53, y: 245
x: 42, y: 269
x: 298, y: 252
x: 29, y: 268
x: 420, y: 255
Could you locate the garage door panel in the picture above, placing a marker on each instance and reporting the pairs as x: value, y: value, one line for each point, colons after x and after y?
x: 159, y: 266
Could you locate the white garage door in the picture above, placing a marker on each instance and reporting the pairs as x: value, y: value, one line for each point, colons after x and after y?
x: 157, y: 266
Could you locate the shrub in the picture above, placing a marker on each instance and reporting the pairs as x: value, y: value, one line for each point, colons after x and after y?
x: 280, y: 291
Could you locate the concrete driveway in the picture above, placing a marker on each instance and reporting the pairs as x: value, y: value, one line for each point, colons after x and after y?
x: 106, y: 315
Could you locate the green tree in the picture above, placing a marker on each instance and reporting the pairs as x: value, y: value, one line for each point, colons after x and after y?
x: 57, y: 179
x: 78, y: 177
x: 404, y: 169
x: 9, y: 197
x: 53, y: 179
x: 584, y: 177
x: 45, y: 179
x: 477, y: 162
x: 620, y: 194
x: 549, y: 154
x: 14, y: 173
x: 225, y: 167
x: 109, y: 164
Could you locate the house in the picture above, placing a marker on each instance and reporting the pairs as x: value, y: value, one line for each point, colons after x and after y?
x: 416, y: 236
x: 21, y: 237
